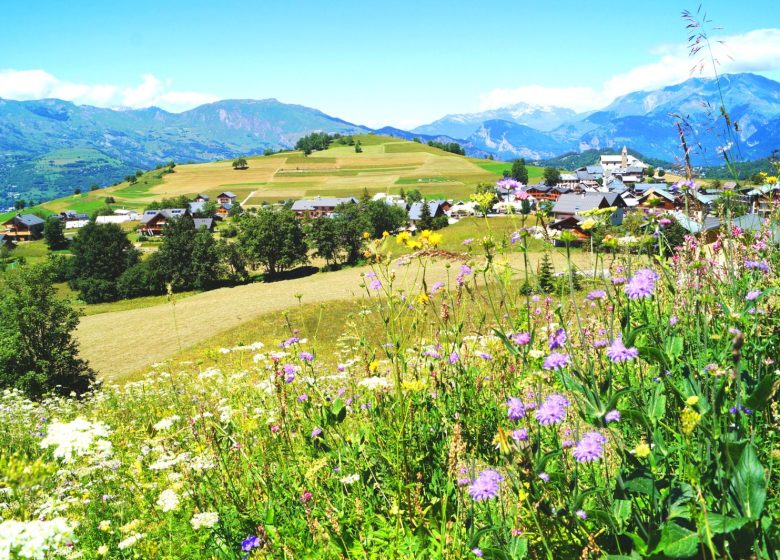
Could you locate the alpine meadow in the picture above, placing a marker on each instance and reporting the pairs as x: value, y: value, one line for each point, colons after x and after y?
x: 520, y: 302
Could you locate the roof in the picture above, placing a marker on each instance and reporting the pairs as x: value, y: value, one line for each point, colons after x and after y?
x: 763, y: 189
x: 196, y: 206
x: 321, y: 202
x: 586, y: 176
x: 166, y: 212
x: 415, y: 212
x: 692, y: 226
x: 204, y: 196
x: 203, y: 223
x: 574, y: 203
x: 541, y: 187
x: 28, y: 220
x: 568, y: 177
x: 228, y: 194
x: 594, y: 169
x: 755, y: 222
x: 662, y: 193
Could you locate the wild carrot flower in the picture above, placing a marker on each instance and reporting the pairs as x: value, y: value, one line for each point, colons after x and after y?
x: 642, y: 284
x: 590, y: 447
x: 617, y: 351
x: 485, y: 486
x: 516, y: 408
x: 556, y: 361
x: 552, y: 410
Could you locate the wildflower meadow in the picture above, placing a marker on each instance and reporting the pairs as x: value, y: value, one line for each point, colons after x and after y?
x: 631, y: 415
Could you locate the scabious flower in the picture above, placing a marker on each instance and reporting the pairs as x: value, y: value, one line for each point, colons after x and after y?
x: 521, y: 338
x: 454, y: 358
x: 617, y: 351
x: 436, y: 287
x: 581, y: 514
x: 516, y: 408
x: 544, y: 476
x: 316, y: 432
x: 556, y: 361
x: 376, y: 284
x: 552, y: 410
x: 250, y: 543
x: 590, y: 447
x: 642, y: 284
x: 477, y: 552
x: 612, y: 416
x: 485, y: 486
x: 306, y: 356
x: 596, y: 294
x: 520, y: 435
x: 753, y: 294
x: 557, y: 339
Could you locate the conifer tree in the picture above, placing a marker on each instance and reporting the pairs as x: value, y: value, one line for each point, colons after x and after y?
x: 546, y: 272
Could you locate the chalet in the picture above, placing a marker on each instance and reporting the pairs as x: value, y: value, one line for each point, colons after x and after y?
x: 585, y: 177
x: 659, y: 198
x: 569, y: 180
x: 226, y: 198
x: 204, y: 197
x: 223, y: 210
x: 462, y: 209
x: 6, y: 242
x: 573, y: 204
x: 153, y: 221
x: 762, y: 199
x: 572, y: 224
x: 541, y: 191
x: 71, y: 216
x: 616, y: 186
x: 23, y: 227
x: 207, y: 223
x: 436, y: 207
x: 319, y: 207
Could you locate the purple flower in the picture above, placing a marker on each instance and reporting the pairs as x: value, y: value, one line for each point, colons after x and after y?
x: 552, y: 410
x: 485, y: 356
x: 558, y: 339
x: 520, y: 435
x: 289, y: 373
x: 642, y: 284
x: 315, y: 432
x: 544, y: 476
x: 250, y: 542
x: 477, y: 552
x: 516, y: 408
x: 617, y: 351
x: 521, y: 338
x: 515, y: 237
x: 753, y: 294
x: 590, y: 447
x: 596, y: 294
x: 672, y: 320
x: 618, y: 280
x: 581, y: 514
x: 556, y: 361
x: 303, y: 398
x: 485, y: 486
x: 508, y: 183
x: 290, y: 341
x: 468, y: 241
x: 454, y: 358
x: 306, y: 356
x: 612, y: 416
x: 376, y: 284
x: 436, y: 287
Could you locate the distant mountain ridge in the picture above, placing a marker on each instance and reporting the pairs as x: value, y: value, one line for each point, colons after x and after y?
x: 50, y: 147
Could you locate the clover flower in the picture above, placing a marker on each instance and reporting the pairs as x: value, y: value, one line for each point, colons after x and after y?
x: 485, y: 486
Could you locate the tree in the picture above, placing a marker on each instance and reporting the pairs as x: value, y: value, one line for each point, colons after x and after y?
x: 351, y: 222
x: 384, y: 217
x: 426, y: 219
x: 546, y: 274
x: 661, y: 173
x: 101, y: 253
x: 650, y: 171
x: 19, y: 204
x: 551, y: 176
x: 519, y: 171
x: 54, y: 234
x: 38, y: 353
x: 413, y: 196
x: 240, y: 163
x: 272, y: 239
x: 358, y: 147
x: 76, y: 191
x: 324, y: 239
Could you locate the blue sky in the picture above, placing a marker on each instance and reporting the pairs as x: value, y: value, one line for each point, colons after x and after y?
x: 391, y: 62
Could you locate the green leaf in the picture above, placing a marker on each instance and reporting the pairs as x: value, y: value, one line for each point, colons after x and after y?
x: 639, y: 544
x: 749, y: 483
x: 674, y: 347
x: 338, y: 410
x: 621, y: 511
x: 760, y: 396
x: 677, y: 541
x: 656, y: 408
x: 722, y: 524
x: 518, y: 549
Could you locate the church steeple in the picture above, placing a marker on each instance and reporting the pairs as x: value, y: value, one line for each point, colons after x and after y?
x: 624, y: 157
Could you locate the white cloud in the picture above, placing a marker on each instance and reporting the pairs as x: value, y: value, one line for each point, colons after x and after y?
x: 38, y: 84
x: 755, y: 51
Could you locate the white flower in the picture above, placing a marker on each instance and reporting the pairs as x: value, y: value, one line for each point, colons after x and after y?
x: 166, y: 423
x: 536, y: 353
x: 374, y: 383
x: 35, y: 539
x: 207, y: 520
x: 131, y: 540
x: 168, y: 500
x: 350, y: 479
x: 102, y: 550
x: 77, y: 438
x: 104, y: 525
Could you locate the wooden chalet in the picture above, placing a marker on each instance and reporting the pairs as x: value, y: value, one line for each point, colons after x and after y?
x: 226, y: 198
x: 319, y: 207
x: 203, y: 197
x: 153, y: 221
x: 659, y: 198
x: 22, y: 227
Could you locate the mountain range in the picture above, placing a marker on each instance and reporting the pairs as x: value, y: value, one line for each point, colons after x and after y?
x: 50, y: 147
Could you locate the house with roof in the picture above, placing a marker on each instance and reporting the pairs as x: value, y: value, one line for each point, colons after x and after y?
x: 541, y: 191
x: 462, y: 209
x: 569, y: 180
x: 622, y: 160
x: 321, y: 206
x: 569, y: 208
x: 204, y: 197
x: 708, y: 227
x: 585, y: 177
x: 436, y: 207
x: 226, y: 197
x: 153, y: 221
x: 659, y: 198
x: 206, y: 223
x: 23, y: 227
x: 763, y: 199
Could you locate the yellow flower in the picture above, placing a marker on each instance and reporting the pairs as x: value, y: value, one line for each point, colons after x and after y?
x: 403, y: 237
x: 588, y: 224
x: 434, y: 239
x: 642, y: 450
x: 104, y: 525
x: 692, y: 400
x: 422, y: 299
x: 385, y: 234
x: 373, y: 366
x: 689, y: 419
x: 366, y: 235
x: 102, y: 550
x: 416, y: 385
x: 414, y: 244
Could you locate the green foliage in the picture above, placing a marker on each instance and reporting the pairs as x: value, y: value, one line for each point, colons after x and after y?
x: 38, y: 353
x: 452, y: 147
x: 412, y: 196
x: 551, y: 176
x: 54, y: 234
x: 272, y: 239
x: 519, y: 171
x: 358, y: 147
x: 188, y: 259
x: 546, y: 275
x: 240, y: 163
x: 315, y: 141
